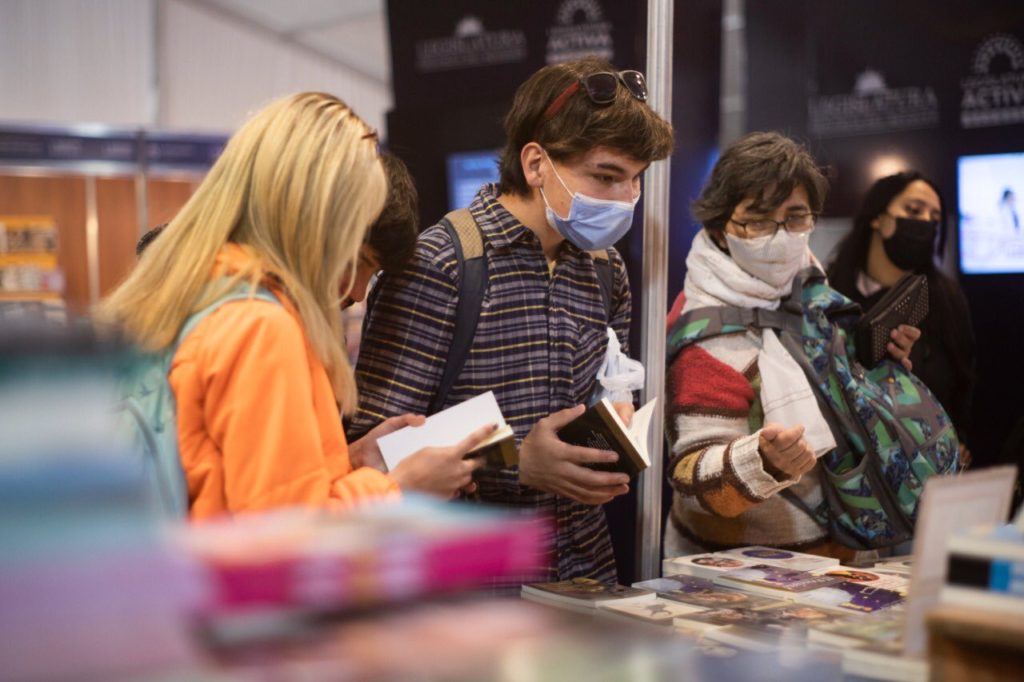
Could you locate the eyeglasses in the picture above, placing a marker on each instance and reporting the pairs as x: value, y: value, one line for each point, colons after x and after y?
x: 763, y: 227
x: 601, y: 88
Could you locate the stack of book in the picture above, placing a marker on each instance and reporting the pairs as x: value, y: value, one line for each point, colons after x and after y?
x: 584, y: 595
x: 716, y: 563
x: 755, y: 598
x: 88, y: 587
x: 986, y: 569
x: 299, y: 560
x: 822, y: 591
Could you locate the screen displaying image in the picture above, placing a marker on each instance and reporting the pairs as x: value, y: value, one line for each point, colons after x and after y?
x: 466, y: 172
x: 991, y: 204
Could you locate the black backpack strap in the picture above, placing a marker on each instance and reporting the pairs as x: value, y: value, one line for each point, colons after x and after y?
x: 472, y: 265
x: 606, y: 279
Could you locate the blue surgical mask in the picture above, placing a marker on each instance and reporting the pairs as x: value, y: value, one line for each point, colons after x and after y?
x: 592, y: 224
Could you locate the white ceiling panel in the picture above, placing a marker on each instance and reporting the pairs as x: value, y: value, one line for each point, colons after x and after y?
x: 361, y: 43
x: 352, y: 33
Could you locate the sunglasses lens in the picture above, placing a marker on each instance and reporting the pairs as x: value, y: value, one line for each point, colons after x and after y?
x: 601, y: 87
x: 635, y: 82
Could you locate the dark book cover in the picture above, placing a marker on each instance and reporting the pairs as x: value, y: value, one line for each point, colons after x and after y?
x: 498, y: 451
x: 586, y: 590
x: 600, y: 427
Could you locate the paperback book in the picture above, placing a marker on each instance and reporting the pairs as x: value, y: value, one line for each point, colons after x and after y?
x: 850, y: 597
x: 660, y: 612
x: 780, y: 615
x: 868, y: 577
x: 783, y: 558
x: 705, y: 565
x: 703, y: 593
x: 901, y: 565
x: 450, y: 426
x: 601, y: 427
x: 583, y: 594
x: 843, y: 633
x: 774, y: 581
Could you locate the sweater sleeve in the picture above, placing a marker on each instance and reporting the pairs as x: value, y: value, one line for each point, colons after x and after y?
x: 714, y: 422
x: 246, y: 381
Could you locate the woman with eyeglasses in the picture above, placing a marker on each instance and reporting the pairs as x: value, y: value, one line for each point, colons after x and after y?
x: 241, y: 294
x: 895, y: 233
x: 743, y: 423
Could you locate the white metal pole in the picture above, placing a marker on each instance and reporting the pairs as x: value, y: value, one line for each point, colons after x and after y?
x: 655, y: 286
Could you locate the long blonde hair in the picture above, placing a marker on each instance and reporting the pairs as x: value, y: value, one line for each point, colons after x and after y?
x: 297, y: 186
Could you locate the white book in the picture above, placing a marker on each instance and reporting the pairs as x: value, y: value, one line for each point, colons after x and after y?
x: 977, y: 598
x: 868, y: 576
x: 449, y: 427
x: 704, y: 565
x: 657, y: 611
x: 784, y: 558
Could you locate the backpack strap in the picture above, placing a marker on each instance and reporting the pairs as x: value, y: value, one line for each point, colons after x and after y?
x: 467, y: 239
x: 150, y: 407
x: 704, y: 323
x: 605, y: 279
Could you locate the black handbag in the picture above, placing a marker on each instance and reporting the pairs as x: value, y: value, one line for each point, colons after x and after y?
x: 906, y: 302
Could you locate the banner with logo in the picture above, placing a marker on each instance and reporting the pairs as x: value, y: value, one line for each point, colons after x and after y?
x: 482, y: 50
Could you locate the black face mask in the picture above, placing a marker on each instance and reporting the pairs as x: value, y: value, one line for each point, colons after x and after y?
x: 910, y: 247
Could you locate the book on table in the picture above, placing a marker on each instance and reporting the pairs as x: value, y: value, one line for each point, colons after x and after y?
x: 852, y: 632
x: 785, y: 558
x: 777, y: 614
x: 701, y: 592
x: 601, y: 427
x: 448, y: 427
x: 869, y: 577
x: 705, y: 565
x: 774, y: 581
x: 582, y: 594
x: 902, y: 565
x: 659, y: 612
x: 850, y: 597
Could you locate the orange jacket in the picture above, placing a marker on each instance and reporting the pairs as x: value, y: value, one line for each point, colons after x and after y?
x: 258, y: 425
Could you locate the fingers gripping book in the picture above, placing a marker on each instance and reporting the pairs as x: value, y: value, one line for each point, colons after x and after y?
x: 448, y: 427
x: 601, y: 427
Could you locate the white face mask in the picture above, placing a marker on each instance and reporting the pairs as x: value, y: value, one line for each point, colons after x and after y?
x: 774, y: 259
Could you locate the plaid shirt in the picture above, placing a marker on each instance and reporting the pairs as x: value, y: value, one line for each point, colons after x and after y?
x: 539, y: 341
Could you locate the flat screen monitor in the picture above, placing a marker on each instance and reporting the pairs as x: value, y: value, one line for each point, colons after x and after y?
x: 991, y: 206
x: 466, y: 172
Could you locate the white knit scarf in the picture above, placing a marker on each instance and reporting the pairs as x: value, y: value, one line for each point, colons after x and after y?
x: 714, y: 279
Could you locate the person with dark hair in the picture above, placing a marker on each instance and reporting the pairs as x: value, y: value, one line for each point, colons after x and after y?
x: 578, y: 138
x: 744, y: 426
x: 391, y: 239
x: 147, y: 239
x: 895, y: 233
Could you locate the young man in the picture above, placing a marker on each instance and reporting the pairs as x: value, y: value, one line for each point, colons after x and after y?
x: 579, y: 136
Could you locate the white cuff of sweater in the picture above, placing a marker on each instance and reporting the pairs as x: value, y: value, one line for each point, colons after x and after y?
x: 749, y: 467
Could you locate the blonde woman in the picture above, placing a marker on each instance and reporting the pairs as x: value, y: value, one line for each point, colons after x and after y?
x: 258, y: 382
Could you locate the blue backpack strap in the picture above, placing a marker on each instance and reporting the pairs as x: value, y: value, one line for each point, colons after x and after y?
x: 148, y: 403
x: 472, y: 265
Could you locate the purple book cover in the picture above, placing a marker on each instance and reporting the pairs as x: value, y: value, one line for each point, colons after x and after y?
x: 778, y: 578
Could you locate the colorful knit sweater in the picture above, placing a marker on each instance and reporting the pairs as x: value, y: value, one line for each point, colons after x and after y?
x: 725, y: 494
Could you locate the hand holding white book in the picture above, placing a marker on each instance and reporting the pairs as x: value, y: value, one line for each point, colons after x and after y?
x: 449, y: 427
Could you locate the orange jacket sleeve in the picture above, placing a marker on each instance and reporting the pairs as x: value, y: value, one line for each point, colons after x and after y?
x: 258, y: 425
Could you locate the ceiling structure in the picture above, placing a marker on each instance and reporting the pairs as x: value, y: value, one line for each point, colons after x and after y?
x: 350, y: 33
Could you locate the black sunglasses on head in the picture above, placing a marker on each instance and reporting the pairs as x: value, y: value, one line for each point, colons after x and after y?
x: 601, y: 88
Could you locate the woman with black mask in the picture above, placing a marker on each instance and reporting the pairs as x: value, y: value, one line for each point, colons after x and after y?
x: 895, y: 233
